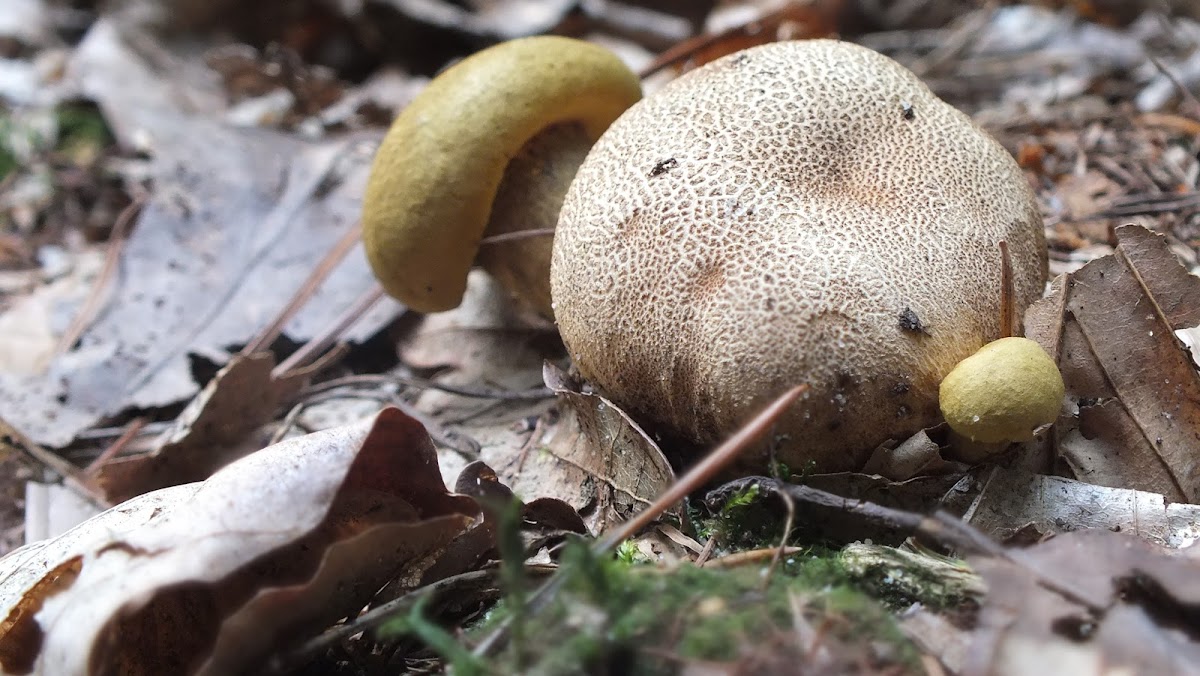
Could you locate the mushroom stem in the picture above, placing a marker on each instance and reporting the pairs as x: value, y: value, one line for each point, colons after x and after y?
x: 529, y: 198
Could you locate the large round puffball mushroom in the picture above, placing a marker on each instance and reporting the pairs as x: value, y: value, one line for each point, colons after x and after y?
x: 801, y: 212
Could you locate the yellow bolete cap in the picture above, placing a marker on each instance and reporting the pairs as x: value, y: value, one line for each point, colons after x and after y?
x: 430, y: 193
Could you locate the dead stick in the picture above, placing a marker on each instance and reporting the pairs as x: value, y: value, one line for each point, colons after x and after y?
x: 91, y: 307
x: 131, y: 431
x: 1007, y: 295
x: 327, y: 265
x: 320, y: 342
x: 702, y: 473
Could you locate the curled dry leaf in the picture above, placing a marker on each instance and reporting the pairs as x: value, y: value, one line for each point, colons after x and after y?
x: 209, y: 578
x: 596, y: 459
x: 1111, y: 328
x: 208, y: 434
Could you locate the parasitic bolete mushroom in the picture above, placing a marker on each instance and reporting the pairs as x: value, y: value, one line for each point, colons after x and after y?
x: 801, y: 212
x: 1003, y: 392
x: 488, y: 147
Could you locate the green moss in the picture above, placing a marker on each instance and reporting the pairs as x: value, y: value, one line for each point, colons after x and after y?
x: 612, y: 617
x: 75, y: 131
x: 899, y: 578
x: 82, y: 133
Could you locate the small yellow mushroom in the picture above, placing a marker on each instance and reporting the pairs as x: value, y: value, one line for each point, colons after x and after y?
x: 1003, y: 392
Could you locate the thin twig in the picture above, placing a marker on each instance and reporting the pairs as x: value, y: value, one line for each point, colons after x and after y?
x: 326, y: 267
x: 749, y: 556
x: 477, y: 392
x: 286, y: 424
x: 787, y: 531
x: 320, y: 342
x: 131, y: 432
x: 702, y: 473
x: 1008, y: 309
x: 517, y: 236
x: 709, y: 545
x: 73, y: 477
x: 1184, y: 91
x: 112, y: 259
x: 962, y: 37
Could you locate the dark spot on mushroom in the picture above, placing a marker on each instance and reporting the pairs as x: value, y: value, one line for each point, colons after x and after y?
x: 903, y: 411
x: 910, y: 322
x: 901, y: 387
x: 844, y: 380
x: 741, y: 59
x: 907, y: 110
x: 663, y: 167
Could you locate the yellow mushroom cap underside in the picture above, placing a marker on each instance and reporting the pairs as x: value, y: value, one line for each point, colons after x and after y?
x: 437, y: 171
x: 801, y: 212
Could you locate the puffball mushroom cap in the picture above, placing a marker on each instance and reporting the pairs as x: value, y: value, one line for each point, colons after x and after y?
x: 800, y: 212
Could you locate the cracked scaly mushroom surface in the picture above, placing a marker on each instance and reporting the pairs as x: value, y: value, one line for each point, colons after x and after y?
x: 780, y: 216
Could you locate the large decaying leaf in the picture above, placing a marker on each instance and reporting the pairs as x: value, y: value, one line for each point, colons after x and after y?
x: 237, y: 220
x: 1111, y: 328
x: 210, y: 577
x: 1015, y: 504
x: 1091, y: 602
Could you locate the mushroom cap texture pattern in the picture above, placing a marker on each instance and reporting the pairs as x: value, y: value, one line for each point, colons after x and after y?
x: 1003, y: 392
x: 432, y: 183
x: 801, y: 212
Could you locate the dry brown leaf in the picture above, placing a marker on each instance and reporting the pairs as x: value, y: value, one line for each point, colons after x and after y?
x: 210, y: 577
x: 207, y: 434
x: 596, y: 459
x: 1025, y: 627
x: 1111, y: 327
x: 918, y: 455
